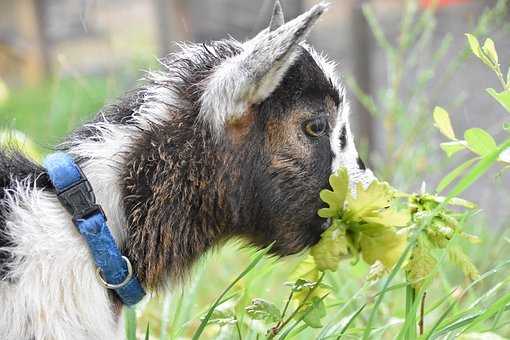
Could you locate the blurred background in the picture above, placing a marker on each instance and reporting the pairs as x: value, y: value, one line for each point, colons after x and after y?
x: 61, y: 61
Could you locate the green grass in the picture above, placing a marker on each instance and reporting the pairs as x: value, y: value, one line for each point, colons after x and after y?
x: 48, y: 111
x: 349, y: 306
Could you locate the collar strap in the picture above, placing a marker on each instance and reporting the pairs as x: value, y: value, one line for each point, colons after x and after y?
x: 74, y: 191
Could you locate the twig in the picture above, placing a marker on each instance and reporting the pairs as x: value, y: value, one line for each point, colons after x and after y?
x: 422, y: 313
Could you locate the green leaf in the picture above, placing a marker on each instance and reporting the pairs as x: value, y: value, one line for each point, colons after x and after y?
x: 474, y: 44
x: 454, y: 174
x: 314, y: 313
x: 221, y: 318
x: 306, y: 275
x: 421, y: 264
x: 477, y: 50
x: 340, y: 184
x: 332, y: 246
x: 260, y: 309
x: 503, y: 98
x: 328, y: 196
x: 493, y: 309
x: 489, y: 50
x: 306, y: 270
x: 506, y: 126
x: 505, y: 156
x: 390, y: 217
x: 479, y: 141
x: 335, y: 199
x: 451, y: 148
x: 443, y: 123
x: 381, y: 243
x: 368, y: 202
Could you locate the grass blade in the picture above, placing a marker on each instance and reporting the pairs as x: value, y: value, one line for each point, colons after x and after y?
x: 253, y: 263
x: 350, y: 321
x: 478, y: 170
x: 497, y: 307
x: 464, y: 322
x: 452, y: 175
x: 147, y: 332
x: 130, y: 317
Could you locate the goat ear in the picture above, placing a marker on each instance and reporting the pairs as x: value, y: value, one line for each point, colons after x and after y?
x: 277, y: 19
x: 251, y: 76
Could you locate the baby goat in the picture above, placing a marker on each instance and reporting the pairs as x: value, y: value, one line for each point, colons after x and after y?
x: 229, y: 140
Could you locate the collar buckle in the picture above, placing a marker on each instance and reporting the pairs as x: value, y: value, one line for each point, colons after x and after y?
x: 79, y: 199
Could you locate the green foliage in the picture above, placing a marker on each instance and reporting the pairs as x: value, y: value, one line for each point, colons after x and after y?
x: 443, y: 123
x: 489, y: 56
x: 502, y: 97
x: 422, y: 264
x: 476, y: 140
x: 362, y: 223
x: 480, y: 141
x: 54, y: 107
x: 261, y: 309
x: 332, y: 246
x: 365, y: 223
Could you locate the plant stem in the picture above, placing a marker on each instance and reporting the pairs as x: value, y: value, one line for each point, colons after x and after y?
x: 276, y: 330
x: 287, y: 304
x: 279, y: 323
x: 421, y: 324
x: 238, y: 329
x: 216, y: 303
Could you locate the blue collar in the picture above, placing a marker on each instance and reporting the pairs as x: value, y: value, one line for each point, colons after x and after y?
x: 74, y: 191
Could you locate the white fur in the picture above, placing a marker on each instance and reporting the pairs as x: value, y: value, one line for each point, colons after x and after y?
x: 55, y: 294
x: 348, y: 156
x: 155, y: 108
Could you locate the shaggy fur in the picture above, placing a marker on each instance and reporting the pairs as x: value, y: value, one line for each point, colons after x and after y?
x: 228, y: 140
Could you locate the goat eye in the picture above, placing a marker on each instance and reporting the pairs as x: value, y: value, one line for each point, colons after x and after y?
x: 316, y: 127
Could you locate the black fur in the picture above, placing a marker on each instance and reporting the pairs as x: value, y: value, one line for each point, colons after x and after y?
x: 361, y: 164
x: 343, y: 138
